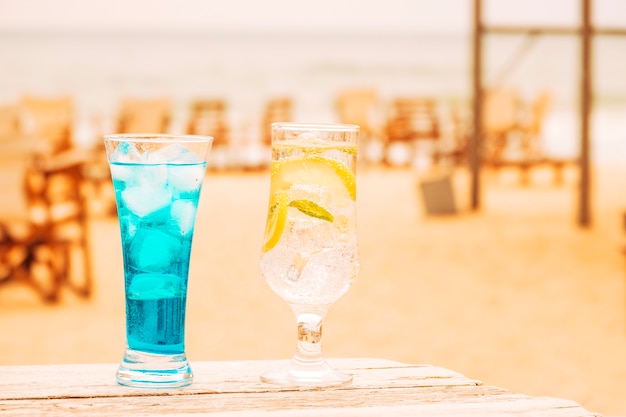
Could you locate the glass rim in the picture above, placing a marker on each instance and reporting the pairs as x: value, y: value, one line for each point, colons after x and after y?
x: 156, y: 137
x: 333, y: 127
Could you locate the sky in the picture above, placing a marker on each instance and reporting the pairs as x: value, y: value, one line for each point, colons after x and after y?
x: 371, y: 15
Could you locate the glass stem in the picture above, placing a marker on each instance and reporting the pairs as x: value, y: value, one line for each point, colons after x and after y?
x: 309, y: 337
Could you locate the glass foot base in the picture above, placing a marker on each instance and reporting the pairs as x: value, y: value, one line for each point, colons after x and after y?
x: 307, y: 374
x: 146, y: 370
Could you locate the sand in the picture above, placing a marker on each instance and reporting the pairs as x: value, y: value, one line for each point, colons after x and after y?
x: 515, y: 294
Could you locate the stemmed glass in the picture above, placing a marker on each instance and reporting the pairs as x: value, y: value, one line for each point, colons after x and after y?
x: 310, y: 255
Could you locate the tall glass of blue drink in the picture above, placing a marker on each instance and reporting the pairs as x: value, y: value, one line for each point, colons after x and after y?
x: 157, y: 181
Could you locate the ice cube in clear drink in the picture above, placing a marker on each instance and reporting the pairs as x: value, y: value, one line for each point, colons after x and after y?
x: 310, y: 138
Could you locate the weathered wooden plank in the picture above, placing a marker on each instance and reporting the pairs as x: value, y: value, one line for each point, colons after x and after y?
x: 380, y: 388
x: 425, y: 401
x: 59, y: 381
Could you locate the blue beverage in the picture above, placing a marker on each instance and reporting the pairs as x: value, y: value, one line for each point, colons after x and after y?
x: 156, y: 206
x: 157, y: 181
x: 155, y: 320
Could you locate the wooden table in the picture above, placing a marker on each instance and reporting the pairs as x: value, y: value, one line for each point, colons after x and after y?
x: 380, y: 388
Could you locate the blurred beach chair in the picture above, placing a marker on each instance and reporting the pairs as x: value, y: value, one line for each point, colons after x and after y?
x: 500, y: 120
x: 532, y: 124
x: 208, y: 117
x: 513, y: 134
x: 360, y: 106
x: 144, y: 115
x: 9, y: 122
x: 13, y: 143
x: 279, y: 109
x: 49, y: 249
x: 454, y: 145
x: 412, y: 130
x: 49, y: 121
x: 412, y: 119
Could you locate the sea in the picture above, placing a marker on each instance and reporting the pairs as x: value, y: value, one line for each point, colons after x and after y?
x: 99, y: 68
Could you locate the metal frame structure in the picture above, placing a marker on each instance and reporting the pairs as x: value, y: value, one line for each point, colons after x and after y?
x: 585, y: 32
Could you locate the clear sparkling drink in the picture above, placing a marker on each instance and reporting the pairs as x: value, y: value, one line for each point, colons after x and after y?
x: 310, y: 251
x: 309, y: 255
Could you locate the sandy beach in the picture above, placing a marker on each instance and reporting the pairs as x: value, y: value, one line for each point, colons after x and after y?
x: 515, y: 294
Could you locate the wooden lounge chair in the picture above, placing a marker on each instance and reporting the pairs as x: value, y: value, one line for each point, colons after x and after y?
x: 49, y: 249
x: 9, y: 122
x: 513, y: 134
x: 412, y: 122
x: 144, y: 115
x: 279, y: 109
x: 49, y: 121
x: 208, y: 117
x: 500, y: 120
x: 359, y: 107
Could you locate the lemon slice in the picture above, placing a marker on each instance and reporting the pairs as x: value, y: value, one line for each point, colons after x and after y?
x: 276, y: 219
x: 314, y: 170
x: 311, y: 169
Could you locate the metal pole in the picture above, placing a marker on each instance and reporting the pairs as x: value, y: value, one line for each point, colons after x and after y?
x: 475, y: 138
x: 584, y: 214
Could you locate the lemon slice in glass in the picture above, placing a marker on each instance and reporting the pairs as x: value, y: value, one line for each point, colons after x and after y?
x: 314, y: 170
x: 276, y: 219
x: 306, y: 170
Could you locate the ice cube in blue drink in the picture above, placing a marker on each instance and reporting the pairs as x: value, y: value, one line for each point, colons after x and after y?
x: 183, y: 215
x: 185, y: 169
x: 156, y: 286
x: 153, y: 251
x: 123, y: 159
x: 125, y: 152
x: 121, y: 172
x: 145, y: 200
x: 185, y: 178
x: 173, y: 154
